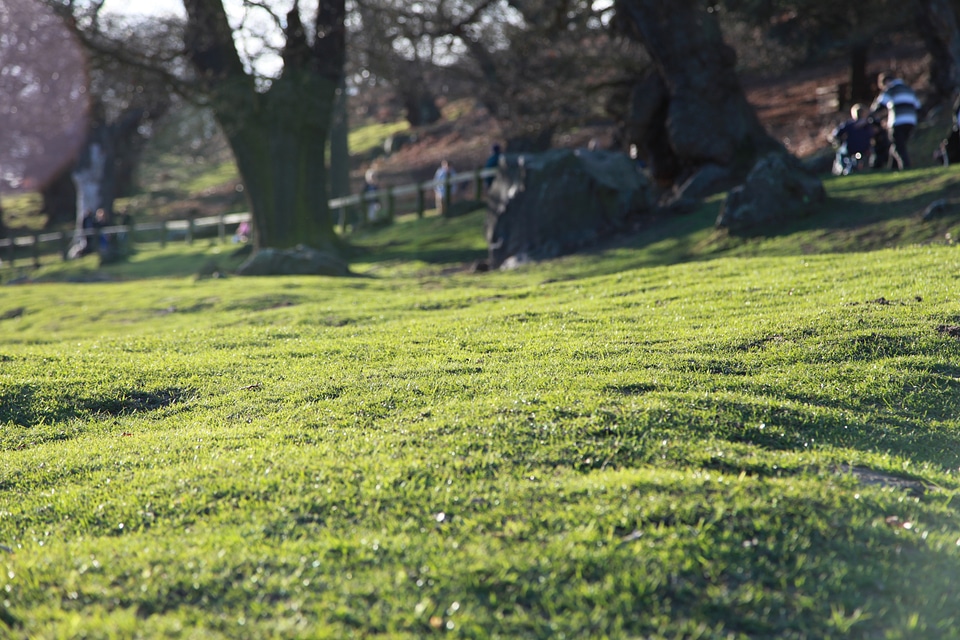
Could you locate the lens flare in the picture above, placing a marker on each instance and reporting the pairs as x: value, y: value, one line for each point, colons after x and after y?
x: 44, y: 104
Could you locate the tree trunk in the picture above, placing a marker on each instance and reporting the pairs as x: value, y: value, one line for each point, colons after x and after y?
x: 279, y: 151
x: 278, y: 137
x: 95, y: 173
x: 128, y: 146
x: 420, y: 104
x: 340, y: 145
x: 414, y: 88
x: 92, y: 187
x: 712, y: 132
x: 707, y: 119
x: 937, y: 22
x: 59, y: 200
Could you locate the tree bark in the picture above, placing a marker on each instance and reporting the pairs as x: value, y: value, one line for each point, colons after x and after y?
x: 279, y: 151
x: 937, y: 22
x: 59, y: 200
x: 340, y: 145
x: 707, y: 117
x: 419, y: 101
x: 278, y: 137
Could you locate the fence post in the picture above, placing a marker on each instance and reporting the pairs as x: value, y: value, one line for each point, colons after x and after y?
x: 190, y: 230
x: 36, y: 251
x: 391, y: 209
x: 221, y: 229
x: 13, y: 254
x: 421, y: 201
x: 477, y: 185
x: 363, y: 207
x: 447, y: 195
x: 163, y: 233
x: 64, y: 245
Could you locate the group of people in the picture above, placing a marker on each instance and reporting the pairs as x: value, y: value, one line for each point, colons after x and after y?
x: 866, y: 140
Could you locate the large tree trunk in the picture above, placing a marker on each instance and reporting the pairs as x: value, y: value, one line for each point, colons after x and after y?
x: 415, y: 92
x: 937, y: 23
x: 419, y: 103
x: 95, y: 172
x: 278, y: 137
x: 713, y: 135
x: 59, y: 199
x: 279, y: 149
x: 340, y: 145
x: 706, y: 114
x: 92, y: 188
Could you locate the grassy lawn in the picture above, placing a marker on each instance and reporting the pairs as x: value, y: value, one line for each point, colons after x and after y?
x: 685, y: 435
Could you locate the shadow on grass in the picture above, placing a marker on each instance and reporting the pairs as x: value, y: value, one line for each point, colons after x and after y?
x: 430, y: 256
x: 28, y: 406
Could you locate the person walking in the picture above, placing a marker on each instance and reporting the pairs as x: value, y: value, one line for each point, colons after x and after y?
x: 902, y: 105
x: 441, y: 178
x: 492, y: 163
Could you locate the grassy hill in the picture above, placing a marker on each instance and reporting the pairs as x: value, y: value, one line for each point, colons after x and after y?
x: 680, y: 434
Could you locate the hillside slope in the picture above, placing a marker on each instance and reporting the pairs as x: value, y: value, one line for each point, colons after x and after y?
x: 795, y: 107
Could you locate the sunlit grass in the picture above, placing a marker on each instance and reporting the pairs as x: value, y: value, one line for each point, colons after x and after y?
x: 681, y: 433
x: 583, y: 447
x: 371, y: 136
x: 223, y: 173
x: 21, y: 211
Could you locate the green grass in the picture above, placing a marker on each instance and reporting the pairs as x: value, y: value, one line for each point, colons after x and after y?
x: 668, y: 438
x: 20, y: 211
x: 368, y: 137
x: 222, y: 173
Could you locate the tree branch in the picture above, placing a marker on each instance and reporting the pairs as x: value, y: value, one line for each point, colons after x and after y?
x: 209, y: 41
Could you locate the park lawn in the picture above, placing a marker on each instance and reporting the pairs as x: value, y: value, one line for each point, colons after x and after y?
x: 741, y: 446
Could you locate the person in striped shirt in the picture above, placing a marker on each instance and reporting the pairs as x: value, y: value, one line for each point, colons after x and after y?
x: 902, y: 105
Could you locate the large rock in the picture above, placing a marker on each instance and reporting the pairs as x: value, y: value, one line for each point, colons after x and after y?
x: 546, y: 204
x: 778, y: 187
x: 300, y: 260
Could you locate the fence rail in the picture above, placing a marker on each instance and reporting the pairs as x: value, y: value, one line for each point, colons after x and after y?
x: 28, y: 247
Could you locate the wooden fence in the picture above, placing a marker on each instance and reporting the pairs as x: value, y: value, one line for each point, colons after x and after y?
x: 389, y: 198
x: 348, y: 211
